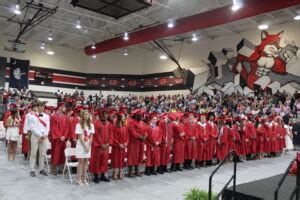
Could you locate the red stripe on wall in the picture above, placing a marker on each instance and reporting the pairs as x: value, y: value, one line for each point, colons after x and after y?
x: 68, y: 79
x: 31, y: 74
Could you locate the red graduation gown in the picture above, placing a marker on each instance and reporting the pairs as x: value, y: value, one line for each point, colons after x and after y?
x: 237, y: 140
x: 282, y: 137
x: 268, y: 138
x: 135, y: 145
x: 58, y: 128
x: 223, y: 143
x: 190, y: 150
x: 212, y: 129
x: 277, y: 136
x: 178, y: 145
x: 166, y: 142
x: 25, y: 142
x: 202, y: 142
x: 252, y: 137
x: 153, y: 150
x: 100, y: 156
x: 120, y: 136
x: 260, y: 139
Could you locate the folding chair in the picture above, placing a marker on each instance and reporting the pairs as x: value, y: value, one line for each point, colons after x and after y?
x: 2, y: 131
x: 68, y: 153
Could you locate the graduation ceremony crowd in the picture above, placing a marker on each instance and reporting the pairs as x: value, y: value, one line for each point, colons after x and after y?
x: 164, y: 134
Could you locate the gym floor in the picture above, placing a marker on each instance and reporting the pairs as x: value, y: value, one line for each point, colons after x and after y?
x: 15, y: 183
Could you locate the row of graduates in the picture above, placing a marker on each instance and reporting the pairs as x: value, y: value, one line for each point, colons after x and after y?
x: 158, y: 140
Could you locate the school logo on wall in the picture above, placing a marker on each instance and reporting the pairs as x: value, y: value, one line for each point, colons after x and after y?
x: 266, y: 66
x: 18, y: 73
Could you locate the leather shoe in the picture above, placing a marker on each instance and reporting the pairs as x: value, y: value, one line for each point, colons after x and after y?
x: 42, y: 172
x: 32, y: 174
x: 104, y: 178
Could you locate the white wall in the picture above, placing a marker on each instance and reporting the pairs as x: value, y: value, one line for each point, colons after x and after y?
x: 64, y: 58
x: 75, y: 60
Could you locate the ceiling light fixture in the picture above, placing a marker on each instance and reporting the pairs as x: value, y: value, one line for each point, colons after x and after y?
x: 297, y: 17
x: 78, y: 24
x: 236, y: 5
x: 93, y: 46
x: 50, y: 37
x: 263, y: 26
x: 50, y: 52
x: 194, y: 38
x: 42, y: 46
x: 17, y: 10
x: 163, y: 57
x: 171, y: 24
x: 125, y: 52
x: 126, y: 37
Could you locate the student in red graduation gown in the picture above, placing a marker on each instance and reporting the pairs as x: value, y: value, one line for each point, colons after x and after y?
x: 247, y: 134
x: 25, y: 141
x: 100, y: 148
x: 252, y: 141
x: 278, y: 135
x: 260, y: 139
x: 212, y: 129
x: 202, y: 142
x: 137, y: 136
x: 73, y: 120
x: 190, y: 149
x: 237, y: 140
x: 58, y: 136
x: 179, y: 142
x: 119, y: 145
x: 273, y: 135
x: 223, y: 144
x: 166, y: 143
x: 268, y: 135
x: 153, y: 143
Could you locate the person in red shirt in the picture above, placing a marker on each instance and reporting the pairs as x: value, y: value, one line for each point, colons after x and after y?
x: 137, y: 135
x: 153, y: 143
x: 166, y: 143
x: 58, y: 136
x: 100, y: 148
x: 212, y: 129
x: 119, y: 145
x: 190, y: 149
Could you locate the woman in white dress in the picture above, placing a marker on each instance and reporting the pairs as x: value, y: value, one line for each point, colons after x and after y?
x: 288, y: 138
x: 12, y: 133
x: 85, y: 130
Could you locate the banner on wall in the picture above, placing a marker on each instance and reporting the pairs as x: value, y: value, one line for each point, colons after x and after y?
x: 2, y: 71
x: 18, y: 77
